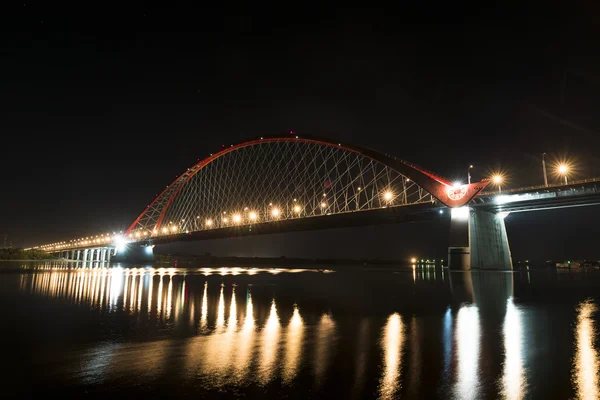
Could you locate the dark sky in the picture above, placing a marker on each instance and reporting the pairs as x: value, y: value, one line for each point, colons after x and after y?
x: 102, y: 106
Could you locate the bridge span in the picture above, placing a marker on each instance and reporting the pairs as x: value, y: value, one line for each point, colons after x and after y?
x: 292, y: 183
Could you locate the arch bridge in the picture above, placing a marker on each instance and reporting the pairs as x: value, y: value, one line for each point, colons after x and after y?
x: 286, y: 183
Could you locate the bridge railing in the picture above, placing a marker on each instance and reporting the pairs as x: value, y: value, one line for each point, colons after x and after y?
x: 539, y: 187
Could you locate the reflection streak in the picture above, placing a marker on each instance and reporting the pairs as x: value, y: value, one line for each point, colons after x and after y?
x: 220, y: 312
x: 467, y: 343
x: 150, y: 284
x: 295, y: 332
x: 392, y: 343
x: 204, y: 308
x: 586, y: 363
x: 169, y: 298
x: 140, y: 289
x: 245, y: 340
x: 323, y: 346
x: 513, y: 378
x: 270, y: 344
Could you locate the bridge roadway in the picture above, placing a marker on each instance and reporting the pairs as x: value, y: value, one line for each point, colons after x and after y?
x: 584, y: 192
x: 575, y: 194
x: 535, y: 198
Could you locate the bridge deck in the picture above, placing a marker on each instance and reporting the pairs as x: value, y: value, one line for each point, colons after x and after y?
x: 574, y: 194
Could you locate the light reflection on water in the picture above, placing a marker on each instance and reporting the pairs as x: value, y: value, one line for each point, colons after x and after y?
x: 269, y: 345
x: 392, y: 343
x: 293, y: 346
x: 467, y: 345
x: 324, y: 347
x: 586, y: 363
x: 514, y: 379
x: 231, y: 327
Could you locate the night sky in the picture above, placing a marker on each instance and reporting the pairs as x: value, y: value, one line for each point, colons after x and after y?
x: 102, y: 107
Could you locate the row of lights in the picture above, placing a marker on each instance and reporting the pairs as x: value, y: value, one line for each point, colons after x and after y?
x: 172, y: 228
x: 561, y: 169
x: 98, y: 239
x: 237, y: 218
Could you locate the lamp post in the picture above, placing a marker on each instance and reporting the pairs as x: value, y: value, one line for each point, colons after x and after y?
x: 544, y: 169
x: 469, y: 174
x: 497, y: 179
x: 563, y: 169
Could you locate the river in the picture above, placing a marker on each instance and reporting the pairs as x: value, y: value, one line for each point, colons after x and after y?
x: 352, y: 332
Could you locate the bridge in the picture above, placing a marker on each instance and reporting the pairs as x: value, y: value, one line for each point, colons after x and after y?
x: 290, y: 183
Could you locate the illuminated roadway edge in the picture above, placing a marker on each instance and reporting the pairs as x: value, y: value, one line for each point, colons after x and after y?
x: 379, y: 216
x: 432, y: 183
x: 574, y: 194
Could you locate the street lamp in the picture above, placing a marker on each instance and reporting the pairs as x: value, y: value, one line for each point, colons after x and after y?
x: 563, y: 169
x: 497, y: 180
x: 469, y: 174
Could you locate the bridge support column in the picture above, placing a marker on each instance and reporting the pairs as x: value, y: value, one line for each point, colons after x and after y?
x: 78, y: 255
x: 478, y: 240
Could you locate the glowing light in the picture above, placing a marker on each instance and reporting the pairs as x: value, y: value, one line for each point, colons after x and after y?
x: 220, y: 323
x: 174, y: 228
x: 563, y: 169
x: 225, y: 220
x: 323, y: 205
x: 467, y: 343
x: 413, y: 260
x: 460, y: 213
x: 204, y: 308
x: 275, y: 212
x: 388, y: 195
x: 270, y: 344
x: 457, y: 184
x: 293, y: 349
x: 392, y: 343
x: 497, y: 179
x: 237, y: 218
x: 586, y: 362
x: 165, y: 230
x: 297, y: 209
x: 252, y: 216
x: 120, y: 241
x: 513, y: 378
x: 209, y: 222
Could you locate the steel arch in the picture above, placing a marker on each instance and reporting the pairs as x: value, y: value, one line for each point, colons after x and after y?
x: 151, y: 219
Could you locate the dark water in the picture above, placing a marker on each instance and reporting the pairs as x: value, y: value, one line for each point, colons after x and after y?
x: 274, y: 333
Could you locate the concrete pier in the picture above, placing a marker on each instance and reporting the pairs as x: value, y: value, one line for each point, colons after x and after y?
x: 478, y: 240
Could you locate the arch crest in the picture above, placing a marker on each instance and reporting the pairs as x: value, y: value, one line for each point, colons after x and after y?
x: 285, y: 177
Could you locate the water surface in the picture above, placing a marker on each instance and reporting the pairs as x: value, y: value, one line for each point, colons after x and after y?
x: 298, y: 333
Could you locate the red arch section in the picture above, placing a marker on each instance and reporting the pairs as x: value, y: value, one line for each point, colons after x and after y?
x: 437, y: 186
